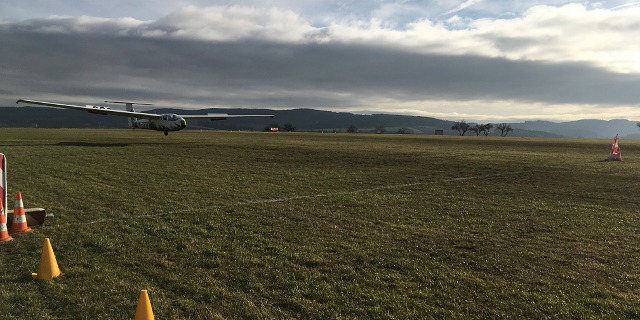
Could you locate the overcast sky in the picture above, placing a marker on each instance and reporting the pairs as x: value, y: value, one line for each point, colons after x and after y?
x: 477, y: 60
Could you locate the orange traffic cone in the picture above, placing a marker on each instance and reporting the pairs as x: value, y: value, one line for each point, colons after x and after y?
x: 4, y: 233
x: 19, y: 218
x: 48, y: 264
x: 143, y: 311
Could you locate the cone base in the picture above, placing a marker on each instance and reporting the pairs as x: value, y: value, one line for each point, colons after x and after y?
x: 18, y: 231
x: 45, y: 277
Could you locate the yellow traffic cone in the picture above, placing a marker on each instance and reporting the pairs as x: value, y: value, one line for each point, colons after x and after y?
x: 143, y: 311
x: 48, y: 264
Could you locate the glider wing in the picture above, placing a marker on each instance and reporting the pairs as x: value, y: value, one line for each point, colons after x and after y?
x: 95, y: 109
x: 223, y: 116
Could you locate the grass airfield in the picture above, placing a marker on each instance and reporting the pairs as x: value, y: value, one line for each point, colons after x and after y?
x: 234, y: 225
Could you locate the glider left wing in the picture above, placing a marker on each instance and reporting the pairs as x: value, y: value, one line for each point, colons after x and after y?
x: 95, y: 109
x: 135, y: 114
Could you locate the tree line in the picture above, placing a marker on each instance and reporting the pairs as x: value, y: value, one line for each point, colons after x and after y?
x: 461, y: 126
x: 288, y: 127
x: 481, y: 128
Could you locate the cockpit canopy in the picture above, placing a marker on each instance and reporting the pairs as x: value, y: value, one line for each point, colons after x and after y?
x: 170, y: 117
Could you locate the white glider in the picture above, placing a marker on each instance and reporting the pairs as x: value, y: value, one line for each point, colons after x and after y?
x: 159, y: 122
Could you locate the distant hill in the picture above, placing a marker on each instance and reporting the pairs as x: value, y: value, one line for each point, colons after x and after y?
x: 315, y: 120
x: 302, y: 119
x: 583, y: 128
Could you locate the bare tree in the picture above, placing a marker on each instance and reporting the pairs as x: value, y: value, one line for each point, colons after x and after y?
x: 288, y: 127
x: 462, y: 127
x: 477, y: 129
x: 352, y: 129
x: 486, y: 128
x: 504, y: 129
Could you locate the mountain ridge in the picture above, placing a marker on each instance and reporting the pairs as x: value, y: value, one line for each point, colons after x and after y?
x: 304, y: 119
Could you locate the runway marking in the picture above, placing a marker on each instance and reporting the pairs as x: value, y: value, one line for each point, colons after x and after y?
x: 294, y: 198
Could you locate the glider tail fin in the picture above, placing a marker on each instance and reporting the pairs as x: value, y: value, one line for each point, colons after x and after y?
x: 129, y: 105
x: 132, y: 121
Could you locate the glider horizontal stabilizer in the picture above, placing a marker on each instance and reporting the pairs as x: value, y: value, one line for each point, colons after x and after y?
x: 129, y: 102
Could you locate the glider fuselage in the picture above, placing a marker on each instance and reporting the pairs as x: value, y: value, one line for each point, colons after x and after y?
x: 169, y: 122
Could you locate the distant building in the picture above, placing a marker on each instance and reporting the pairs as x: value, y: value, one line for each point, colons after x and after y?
x: 439, y: 132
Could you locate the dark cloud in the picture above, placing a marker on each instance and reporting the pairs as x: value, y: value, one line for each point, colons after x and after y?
x: 267, y: 74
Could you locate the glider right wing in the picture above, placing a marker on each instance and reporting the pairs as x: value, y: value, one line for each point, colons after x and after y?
x: 223, y: 116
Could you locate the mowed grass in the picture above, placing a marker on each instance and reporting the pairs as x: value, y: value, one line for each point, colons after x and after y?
x: 234, y: 225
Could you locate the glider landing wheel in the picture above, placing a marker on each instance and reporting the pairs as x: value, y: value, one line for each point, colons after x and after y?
x: 166, y: 133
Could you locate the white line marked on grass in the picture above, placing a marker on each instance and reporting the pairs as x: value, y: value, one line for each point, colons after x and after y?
x: 294, y: 198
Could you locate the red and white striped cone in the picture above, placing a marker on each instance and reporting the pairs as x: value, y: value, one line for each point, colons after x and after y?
x: 19, y: 218
x: 4, y: 233
x: 617, y: 156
